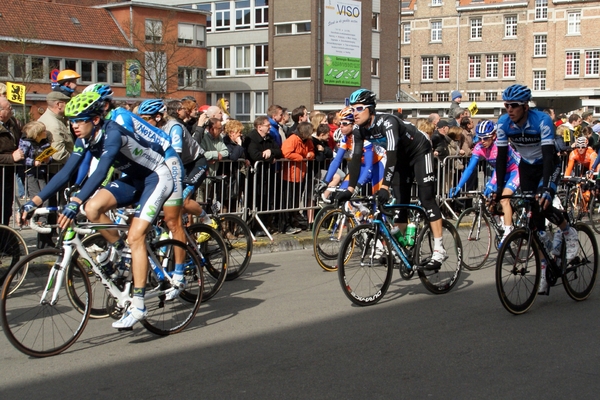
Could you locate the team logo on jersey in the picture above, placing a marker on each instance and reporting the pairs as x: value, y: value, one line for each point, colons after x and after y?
x: 151, y: 211
x: 77, y: 149
x: 138, y: 152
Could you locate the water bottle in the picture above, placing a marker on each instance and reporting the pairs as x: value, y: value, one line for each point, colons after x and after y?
x: 397, y: 233
x: 163, y: 250
x: 411, y: 231
x: 546, y: 240
x: 556, y: 243
x: 124, y: 267
x: 121, y: 218
x: 105, y: 261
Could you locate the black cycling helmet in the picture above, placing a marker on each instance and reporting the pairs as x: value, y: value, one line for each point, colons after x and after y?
x: 363, y: 96
x: 518, y: 93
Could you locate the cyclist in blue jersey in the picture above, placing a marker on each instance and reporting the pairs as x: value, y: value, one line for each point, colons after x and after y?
x: 148, y: 181
x: 409, y: 153
x: 531, y: 132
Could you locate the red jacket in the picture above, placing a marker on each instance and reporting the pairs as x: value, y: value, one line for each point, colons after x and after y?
x: 296, y: 150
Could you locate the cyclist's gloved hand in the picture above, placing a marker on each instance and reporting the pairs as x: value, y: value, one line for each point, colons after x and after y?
x: 453, y: 192
x: 545, y: 195
x: 344, y: 196
x: 383, y: 196
x: 71, y: 210
x: 27, y: 210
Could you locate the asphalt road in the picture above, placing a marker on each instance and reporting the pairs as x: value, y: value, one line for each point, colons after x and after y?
x: 286, y: 331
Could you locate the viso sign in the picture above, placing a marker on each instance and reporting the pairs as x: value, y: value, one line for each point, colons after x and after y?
x: 341, y: 48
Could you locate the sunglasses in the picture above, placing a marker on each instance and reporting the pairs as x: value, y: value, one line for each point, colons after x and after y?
x: 79, y: 120
x: 581, y: 147
x: 487, y: 138
x: 346, y: 123
x: 513, y: 105
x: 147, y: 117
x: 360, y: 108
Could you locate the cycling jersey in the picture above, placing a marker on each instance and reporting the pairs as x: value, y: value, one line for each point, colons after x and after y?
x: 586, y: 159
x: 183, y: 143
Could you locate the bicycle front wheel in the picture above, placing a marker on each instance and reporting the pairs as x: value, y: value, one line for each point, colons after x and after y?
x: 594, y: 213
x: 12, y: 249
x: 169, y: 317
x: 579, y: 275
x: 365, y: 265
x: 444, y: 279
x: 476, y: 236
x: 518, y: 271
x: 326, y: 208
x: 332, y: 229
x: 38, y: 327
x: 212, y: 253
x: 238, y: 240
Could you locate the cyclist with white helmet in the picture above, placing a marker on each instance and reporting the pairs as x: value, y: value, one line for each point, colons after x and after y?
x: 486, y: 149
x: 408, y: 153
x: 531, y: 132
x: 148, y: 181
x: 583, y: 155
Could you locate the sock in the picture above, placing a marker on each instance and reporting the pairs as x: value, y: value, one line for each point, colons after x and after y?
x: 507, y: 229
x: 138, y: 297
x: 438, y: 243
x: 178, y: 274
x: 119, y: 244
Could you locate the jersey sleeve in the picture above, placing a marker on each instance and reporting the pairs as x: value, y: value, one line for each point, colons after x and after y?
x: 62, y: 177
x: 176, y: 134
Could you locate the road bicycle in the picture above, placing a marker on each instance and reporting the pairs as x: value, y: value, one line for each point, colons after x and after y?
x: 519, y: 264
x: 367, y: 256
x: 475, y: 226
x: 12, y: 249
x: 48, y: 312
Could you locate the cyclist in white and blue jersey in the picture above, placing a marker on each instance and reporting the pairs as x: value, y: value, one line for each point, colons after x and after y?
x: 531, y: 132
x: 148, y: 182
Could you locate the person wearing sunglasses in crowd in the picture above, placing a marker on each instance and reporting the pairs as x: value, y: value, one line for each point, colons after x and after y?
x: 531, y: 132
x: 409, y: 153
x: 486, y: 149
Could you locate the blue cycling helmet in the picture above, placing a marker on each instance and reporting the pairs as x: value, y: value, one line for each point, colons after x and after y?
x: 103, y: 90
x: 485, y: 129
x: 518, y: 93
x: 151, y: 107
x: 363, y: 96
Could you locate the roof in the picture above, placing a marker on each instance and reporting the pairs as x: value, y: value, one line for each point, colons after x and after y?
x: 58, y: 23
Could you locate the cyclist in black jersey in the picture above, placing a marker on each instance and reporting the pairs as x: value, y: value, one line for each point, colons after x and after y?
x: 409, y: 153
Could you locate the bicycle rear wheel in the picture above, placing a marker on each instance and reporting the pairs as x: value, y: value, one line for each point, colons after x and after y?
x: 12, y: 249
x: 594, y: 213
x: 444, y: 279
x: 39, y: 328
x: 238, y: 240
x: 169, y: 317
x: 476, y: 236
x: 326, y: 208
x: 365, y: 265
x: 212, y: 253
x: 518, y: 272
x: 331, y: 230
x: 580, y: 274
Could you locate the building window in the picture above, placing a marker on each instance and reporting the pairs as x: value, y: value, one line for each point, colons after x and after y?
x: 510, y: 26
x: 261, y: 103
x: 190, y: 78
x: 294, y: 28
x: 191, y: 35
x: 261, y: 57
x: 572, y: 64
x: 222, y: 61
x: 436, y: 2
x: 242, y: 60
x: 436, y: 31
x: 375, y: 22
x: 243, y: 13
x: 292, y: 73
x: 426, y: 97
x: 539, y: 80
x: 574, y: 23
x: 491, y: 96
x: 117, y: 72
x: 242, y: 106
x: 4, y: 66
x: 101, y: 71
x: 473, y: 96
x: 71, y: 64
x: 444, y: 68
x: 476, y: 28
x: 427, y: 69
x: 222, y: 16
x: 443, y: 97
x: 37, y: 68
x: 541, y: 9
x: 491, y: 66
x: 509, y: 65
x: 374, y: 67
x: 153, y: 31
x: 474, y: 67
x: 406, y: 69
x: 539, y: 45
x: 592, y: 60
x: 406, y: 33
x: 261, y: 13
x: 86, y: 71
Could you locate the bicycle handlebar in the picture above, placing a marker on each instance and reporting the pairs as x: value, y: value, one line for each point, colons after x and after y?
x: 42, y: 211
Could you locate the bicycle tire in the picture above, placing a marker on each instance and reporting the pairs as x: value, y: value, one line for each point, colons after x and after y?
x: 326, y: 208
x: 594, y: 214
x: 444, y: 279
x: 331, y: 230
x: 43, y: 330
x: 12, y: 249
x: 579, y: 276
x: 516, y: 286
x: 476, y: 236
x: 364, y: 267
x: 238, y: 240
x: 170, y: 317
x: 213, y: 257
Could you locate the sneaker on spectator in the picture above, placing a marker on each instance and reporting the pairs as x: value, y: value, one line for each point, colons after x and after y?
x: 571, y: 243
x: 130, y: 318
x: 291, y: 230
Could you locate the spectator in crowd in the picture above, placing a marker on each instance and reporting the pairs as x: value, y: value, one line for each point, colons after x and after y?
x: 213, y: 145
x: 467, y: 126
x: 59, y: 130
x: 238, y: 169
x: 297, y: 148
x: 562, y: 148
x: 426, y: 126
x: 588, y: 133
x: 323, y: 155
x: 596, y: 135
x: 261, y: 147
x: 561, y: 119
x: 456, y: 98
x: 10, y: 154
x: 299, y: 114
x: 285, y: 119
x: 586, y: 119
x: 223, y: 105
x: 573, y: 123
x: 439, y: 140
x: 191, y: 108
x: 550, y: 112
x: 434, y: 118
x: 275, y: 114
x: 333, y: 121
x: 458, y: 115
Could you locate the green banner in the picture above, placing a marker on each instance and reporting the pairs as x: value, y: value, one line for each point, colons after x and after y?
x: 342, y: 71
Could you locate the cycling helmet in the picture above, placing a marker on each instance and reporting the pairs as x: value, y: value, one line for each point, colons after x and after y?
x: 346, y: 114
x: 103, y: 90
x: 85, y: 105
x: 518, y: 93
x: 581, y: 141
x: 67, y: 75
x: 151, y: 107
x: 363, y: 96
x: 485, y: 129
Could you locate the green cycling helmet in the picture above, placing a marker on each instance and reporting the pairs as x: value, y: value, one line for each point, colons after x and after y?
x: 85, y: 105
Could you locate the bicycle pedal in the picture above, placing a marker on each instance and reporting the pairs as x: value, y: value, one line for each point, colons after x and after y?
x: 125, y: 329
